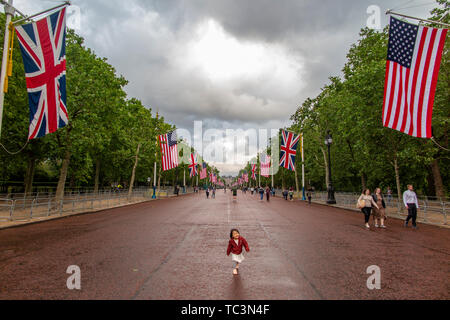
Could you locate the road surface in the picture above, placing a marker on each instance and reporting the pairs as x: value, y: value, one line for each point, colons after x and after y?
x: 176, y: 249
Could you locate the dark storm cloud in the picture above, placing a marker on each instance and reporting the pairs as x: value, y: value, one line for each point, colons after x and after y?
x: 152, y: 43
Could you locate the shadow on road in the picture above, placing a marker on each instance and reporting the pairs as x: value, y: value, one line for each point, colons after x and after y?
x: 236, y: 289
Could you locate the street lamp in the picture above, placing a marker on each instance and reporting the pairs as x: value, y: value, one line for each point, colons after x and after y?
x: 330, y: 189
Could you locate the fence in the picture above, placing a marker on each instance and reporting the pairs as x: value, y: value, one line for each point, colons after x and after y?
x: 432, y: 210
x: 19, y: 206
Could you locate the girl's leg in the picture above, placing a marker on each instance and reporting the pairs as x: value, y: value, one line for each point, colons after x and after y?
x: 382, y: 221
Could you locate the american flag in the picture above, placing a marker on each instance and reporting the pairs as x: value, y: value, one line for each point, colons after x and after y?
x: 265, y: 165
x: 254, y: 171
x: 169, y: 150
x: 193, y: 165
x: 412, y: 67
x: 289, y: 142
x: 43, y: 46
x: 203, y: 173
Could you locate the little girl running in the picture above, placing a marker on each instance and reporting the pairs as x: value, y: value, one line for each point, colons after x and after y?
x: 235, y: 248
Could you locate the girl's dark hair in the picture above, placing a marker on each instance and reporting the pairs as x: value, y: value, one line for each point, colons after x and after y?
x: 231, y: 232
x: 364, y: 191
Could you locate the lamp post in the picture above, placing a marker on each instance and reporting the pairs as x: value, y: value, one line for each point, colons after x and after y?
x: 330, y: 189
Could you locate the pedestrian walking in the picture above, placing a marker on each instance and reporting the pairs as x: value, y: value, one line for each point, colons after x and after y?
x: 213, y: 192
x: 380, y: 213
x: 267, y: 193
x: 234, y: 193
x: 411, y: 203
x: 389, y: 194
x: 261, y: 193
x: 285, y: 194
x: 235, y: 248
x: 207, y: 193
x: 365, y: 203
x: 309, y: 195
x: 291, y: 194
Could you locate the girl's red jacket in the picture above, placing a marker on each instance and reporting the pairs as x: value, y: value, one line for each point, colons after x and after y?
x: 237, y: 248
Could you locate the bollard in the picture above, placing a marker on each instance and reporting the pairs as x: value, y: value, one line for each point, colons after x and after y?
x: 31, y: 209
x: 11, y: 210
x: 444, y: 212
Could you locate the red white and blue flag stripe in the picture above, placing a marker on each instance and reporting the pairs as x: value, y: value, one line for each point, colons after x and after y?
x: 265, y: 165
x: 169, y: 150
x: 289, y: 142
x: 253, y: 171
x: 193, y: 165
x: 412, y: 69
x: 44, y: 57
x: 203, y: 173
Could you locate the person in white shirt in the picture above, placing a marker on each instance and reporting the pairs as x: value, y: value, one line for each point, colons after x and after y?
x: 411, y: 203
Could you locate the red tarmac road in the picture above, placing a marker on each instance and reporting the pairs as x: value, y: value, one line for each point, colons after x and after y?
x: 176, y: 249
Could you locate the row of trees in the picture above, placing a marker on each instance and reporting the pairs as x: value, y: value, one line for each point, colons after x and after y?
x: 110, y: 139
x: 364, y: 153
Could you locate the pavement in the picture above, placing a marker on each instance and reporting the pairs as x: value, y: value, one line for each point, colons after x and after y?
x: 176, y: 249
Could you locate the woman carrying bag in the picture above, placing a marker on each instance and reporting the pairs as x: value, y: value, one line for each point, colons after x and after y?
x: 365, y: 203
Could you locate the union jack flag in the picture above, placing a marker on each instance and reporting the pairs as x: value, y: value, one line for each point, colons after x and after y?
x: 254, y: 171
x: 44, y: 56
x: 289, y: 142
x: 193, y: 166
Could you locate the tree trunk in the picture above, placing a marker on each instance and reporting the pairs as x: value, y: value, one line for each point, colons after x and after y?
x: 97, y: 175
x: 72, y: 181
x: 397, y: 180
x: 130, y: 190
x: 63, y: 175
x: 30, y: 175
x: 363, y: 180
x: 438, y: 185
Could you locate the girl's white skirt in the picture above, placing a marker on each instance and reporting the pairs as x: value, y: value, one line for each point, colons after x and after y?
x: 238, y: 257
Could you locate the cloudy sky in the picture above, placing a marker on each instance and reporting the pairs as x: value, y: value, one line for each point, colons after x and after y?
x: 233, y: 64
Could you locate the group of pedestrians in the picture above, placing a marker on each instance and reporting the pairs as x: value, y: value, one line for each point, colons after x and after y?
x: 374, y: 204
x: 263, y: 191
x: 210, y: 190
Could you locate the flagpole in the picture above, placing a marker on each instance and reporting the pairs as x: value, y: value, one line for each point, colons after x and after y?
x: 66, y: 3
x: 259, y: 174
x: 303, y: 173
x: 156, y: 159
x: 184, y: 180
x: 421, y: 20
x: 271, y: 167
x: 9, y: 11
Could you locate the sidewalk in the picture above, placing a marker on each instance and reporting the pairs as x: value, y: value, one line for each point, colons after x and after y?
x: 431, y: 218
x: 75, y: 211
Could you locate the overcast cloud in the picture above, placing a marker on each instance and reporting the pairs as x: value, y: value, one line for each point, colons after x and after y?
x: 230, y: 63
